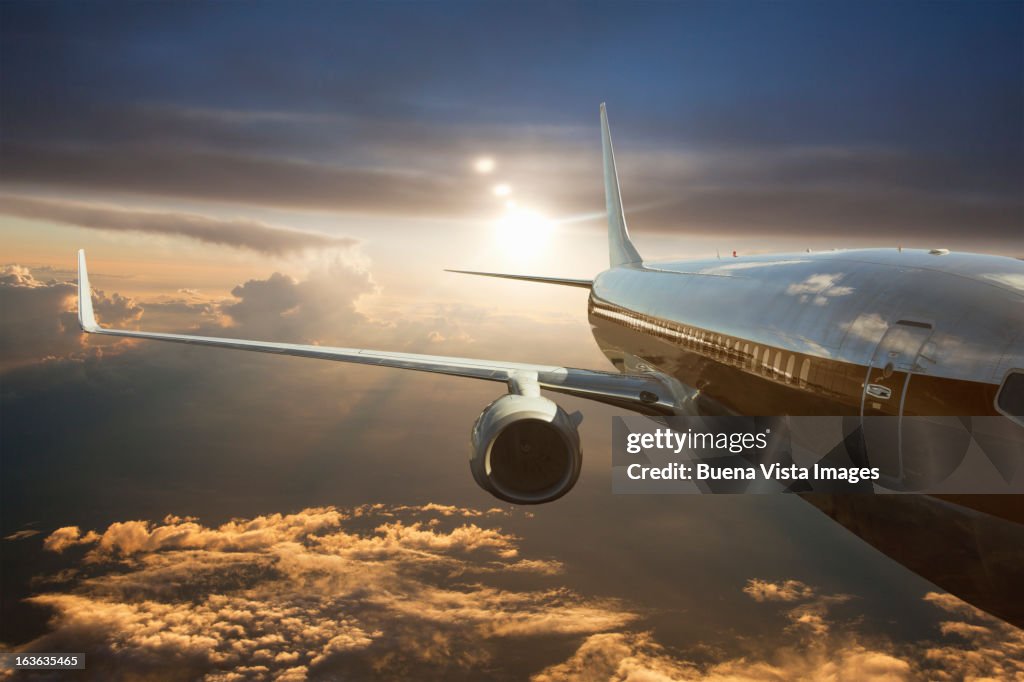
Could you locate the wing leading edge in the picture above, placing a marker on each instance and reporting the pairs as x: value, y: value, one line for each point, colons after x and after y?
x: 641, y: 393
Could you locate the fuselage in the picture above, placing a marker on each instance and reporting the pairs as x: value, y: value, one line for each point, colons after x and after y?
x: 797, y: 333
x: 854, y: 333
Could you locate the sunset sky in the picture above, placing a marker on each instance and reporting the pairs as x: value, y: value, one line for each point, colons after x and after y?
x: 305, y: 172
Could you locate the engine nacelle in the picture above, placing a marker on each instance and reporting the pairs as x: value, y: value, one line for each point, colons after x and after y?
x: 525, y: 449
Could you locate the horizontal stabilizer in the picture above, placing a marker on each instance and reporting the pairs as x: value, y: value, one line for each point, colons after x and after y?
x: 582, y: 283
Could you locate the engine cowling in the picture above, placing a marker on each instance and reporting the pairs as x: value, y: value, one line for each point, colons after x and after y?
x: 525, y: 449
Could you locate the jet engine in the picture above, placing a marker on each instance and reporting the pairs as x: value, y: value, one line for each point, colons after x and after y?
x: 526, y: 449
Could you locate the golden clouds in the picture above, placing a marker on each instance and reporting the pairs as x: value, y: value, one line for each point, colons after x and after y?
x: 442, y: 591
x: 323, y: 589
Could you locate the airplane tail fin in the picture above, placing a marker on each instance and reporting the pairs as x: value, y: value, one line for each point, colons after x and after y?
x: 620, y: 249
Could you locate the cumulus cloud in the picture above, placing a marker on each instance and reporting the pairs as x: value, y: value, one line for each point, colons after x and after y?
x: 636, y: 657
x: 68, y: 536
x: 240, y: 233
x: 977, y: 646
x: 438, y: 591
x: 39, y: 319
x: 321, y: 306
x: 316, y: 593
x: 787, y: 590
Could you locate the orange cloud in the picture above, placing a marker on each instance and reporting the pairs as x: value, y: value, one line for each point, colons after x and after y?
x: 412, y: 591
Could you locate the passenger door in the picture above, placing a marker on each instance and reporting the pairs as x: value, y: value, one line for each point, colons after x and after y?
x: 885, y: 385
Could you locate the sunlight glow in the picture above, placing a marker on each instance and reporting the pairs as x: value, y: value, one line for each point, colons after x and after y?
x: 484, y: 165
x: 522, y: 233
x: 501, y: 190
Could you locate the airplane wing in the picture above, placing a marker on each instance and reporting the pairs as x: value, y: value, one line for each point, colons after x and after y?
x: 644, y: 393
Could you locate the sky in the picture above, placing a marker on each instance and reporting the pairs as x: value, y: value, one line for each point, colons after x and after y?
x: 304, y: 172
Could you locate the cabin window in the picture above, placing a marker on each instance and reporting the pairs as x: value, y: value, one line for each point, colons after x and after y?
x: 1010, y: 399
x: 766, y: 360
x: 790, y: 364
x: 805, y: 371
x: 777, y: 369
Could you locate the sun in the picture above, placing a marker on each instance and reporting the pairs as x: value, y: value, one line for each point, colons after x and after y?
x: 484, y: 165
x: 521, y: 232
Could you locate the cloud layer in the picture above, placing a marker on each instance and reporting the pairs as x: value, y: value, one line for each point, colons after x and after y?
x: 248, y: 234
x: 375, y: 588
x: 437, y: 591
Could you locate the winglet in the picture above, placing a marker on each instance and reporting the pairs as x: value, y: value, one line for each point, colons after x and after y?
x: 620, y: 249
x: 86, y: 318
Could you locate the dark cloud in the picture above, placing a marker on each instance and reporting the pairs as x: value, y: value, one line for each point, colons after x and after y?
x: 786, y: 122
x: 248, y: 234
x: 242, y: 178
x: 39, y: 318
x: 869, y: 192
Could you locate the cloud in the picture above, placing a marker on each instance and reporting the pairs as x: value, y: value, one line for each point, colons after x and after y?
x: 68, y: 536
x: 361, y: 163
x: 419, y: 591
x: 239, y: 177
x: 22, y: 534
x: 636, y: 657
x: 313, y: 593
x: 788, y: 590
x: 830, y: 648
x: 39, y: 319
x: 320, y: 307
x: 248, y: 234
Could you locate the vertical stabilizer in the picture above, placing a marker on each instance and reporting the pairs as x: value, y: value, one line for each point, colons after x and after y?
x: 620, y: 250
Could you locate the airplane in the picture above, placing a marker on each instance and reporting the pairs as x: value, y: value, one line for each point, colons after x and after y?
x: 857, y: 333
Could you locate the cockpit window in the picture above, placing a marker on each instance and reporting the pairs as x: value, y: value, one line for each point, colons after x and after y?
x: 1010, y: 399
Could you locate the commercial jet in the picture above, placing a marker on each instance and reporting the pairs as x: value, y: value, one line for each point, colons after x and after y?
x: 858, y: 333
